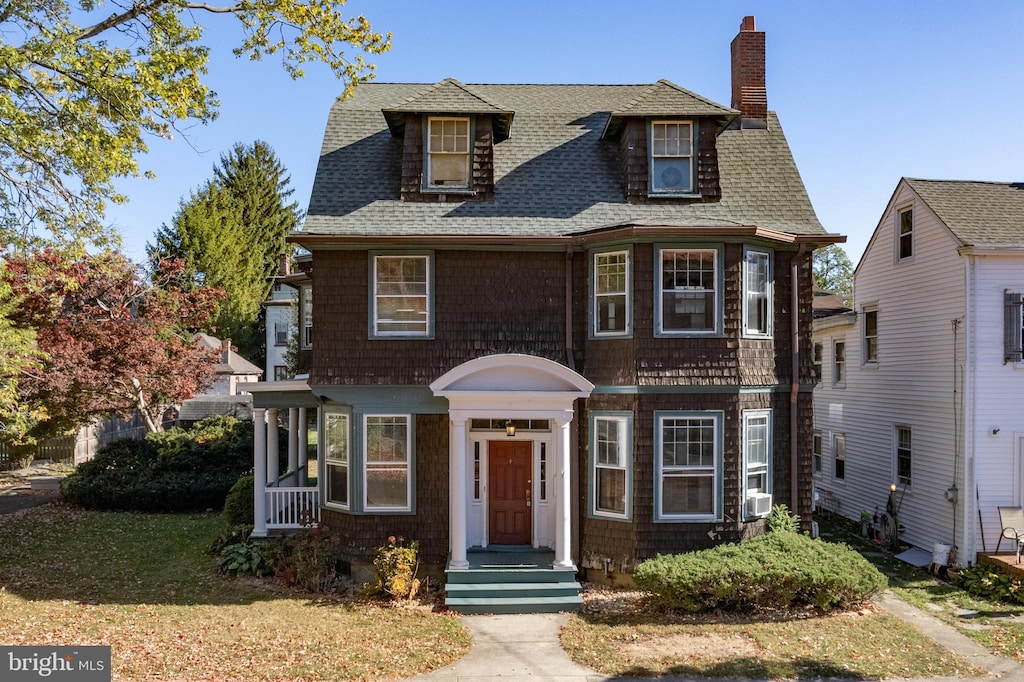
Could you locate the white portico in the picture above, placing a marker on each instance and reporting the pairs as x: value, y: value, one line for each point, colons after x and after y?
x: 527, y: 497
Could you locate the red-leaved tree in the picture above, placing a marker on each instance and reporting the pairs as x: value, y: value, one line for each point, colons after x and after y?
x: 112, y: 338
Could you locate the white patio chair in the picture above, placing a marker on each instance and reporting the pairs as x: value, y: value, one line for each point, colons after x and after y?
x: 1011, y: 519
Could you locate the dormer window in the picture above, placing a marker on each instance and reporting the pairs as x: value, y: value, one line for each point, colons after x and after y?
x: 671, y: 157
x: 448, y: 153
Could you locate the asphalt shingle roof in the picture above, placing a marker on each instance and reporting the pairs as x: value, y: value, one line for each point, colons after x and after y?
x: 978, y: 213
x: 554, y: 175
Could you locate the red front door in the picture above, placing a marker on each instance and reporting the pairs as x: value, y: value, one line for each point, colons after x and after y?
x: 509, y: 486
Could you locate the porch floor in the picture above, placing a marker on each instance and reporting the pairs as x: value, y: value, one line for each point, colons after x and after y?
x: 503, y: 556
x: 1005, y: 562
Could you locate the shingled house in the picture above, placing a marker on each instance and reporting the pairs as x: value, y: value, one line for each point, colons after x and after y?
x: 558, y: 317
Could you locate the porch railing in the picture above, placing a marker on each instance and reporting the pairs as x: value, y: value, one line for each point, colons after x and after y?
x: 292, y: 507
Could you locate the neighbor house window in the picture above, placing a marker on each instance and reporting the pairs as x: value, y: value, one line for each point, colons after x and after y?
x: 448, y: 153
x: 687, y: 466
x: 336, y: 457
x: 401, y: 295
x: 306, y: 315
x: 757, y: 461
x: 387, y: 446
x: 839, y: 456
x: 870, y: 336
x: 671, y: 160
x: 610, y: 465
x: 611, y: 293
x: 688, y: 281
x: 281, y: 373
x: 905, y: 243
x: 819, y: 359
x: 1013, y: 327
x: 838, y: 363
x: 757, y: 293
x: 903, y: 455
x: 281, y: 333
x: 816, y: 453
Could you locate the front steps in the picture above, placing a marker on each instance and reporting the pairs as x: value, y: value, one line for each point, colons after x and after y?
x: 511, y: 580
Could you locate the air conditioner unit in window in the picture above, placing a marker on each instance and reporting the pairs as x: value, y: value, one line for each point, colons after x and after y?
x: 759, y: 504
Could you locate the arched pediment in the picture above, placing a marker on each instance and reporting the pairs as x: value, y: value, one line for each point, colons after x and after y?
x: 511, y: 373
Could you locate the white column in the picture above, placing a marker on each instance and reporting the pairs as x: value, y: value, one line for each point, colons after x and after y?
x: 273, y: 448
x: 259, y: 461
x: 457, y: 466
x: 563, y: 510
x: 293, y: 445
x: 303, y: 448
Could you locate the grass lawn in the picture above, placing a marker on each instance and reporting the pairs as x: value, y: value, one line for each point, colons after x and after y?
x: 142, y: 584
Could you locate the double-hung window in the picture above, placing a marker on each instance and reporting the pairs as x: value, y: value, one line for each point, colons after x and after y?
x: 688, y: 466
x: 448, y: 152
x: 611, y: 463
x: 903, y: 455
x: 818, y: 360
x: 905, y: 238
x: 870, y: 336
x: 1013, y: 326
x: 839, y: 456
x: 611, y: 293
x: 387, y: 449
x: 671, y: 168
x: 401, y: 295
x: 757, y: 461
x: 306, y: 315
x: 839, y: 363
x: 816, y: 453
x: 757, y: 293
x: 281, y: 333
x: 336, y: 457
x: 688, y: 284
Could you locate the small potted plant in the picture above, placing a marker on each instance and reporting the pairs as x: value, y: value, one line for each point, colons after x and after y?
x: 865, y: 523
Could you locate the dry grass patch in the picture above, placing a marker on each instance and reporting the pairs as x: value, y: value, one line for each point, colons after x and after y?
x: 142, y: 584
x: 624, y: 635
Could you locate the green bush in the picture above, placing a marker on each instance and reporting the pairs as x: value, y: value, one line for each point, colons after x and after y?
x: 984, y: 582
x: 779, y: 569
x: 173, y: 471
x: 780, y: 520
x: 238, y: 505
x: 244, y: 558
x: 396, y: 565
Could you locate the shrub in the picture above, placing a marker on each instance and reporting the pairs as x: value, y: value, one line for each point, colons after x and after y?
x: 396, y: 565
x: 244, y: 558
x: 238, y: 505
x: 780, y: 520
x: 309, y: 559
x: 984, y: 582
x: 173, y: 471
x: 778, y: 570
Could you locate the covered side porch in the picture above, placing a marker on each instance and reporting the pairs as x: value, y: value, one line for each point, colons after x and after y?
x: 282, y: 500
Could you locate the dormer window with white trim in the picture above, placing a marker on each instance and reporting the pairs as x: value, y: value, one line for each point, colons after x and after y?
x: 672, y: 161
x: 448, y: 152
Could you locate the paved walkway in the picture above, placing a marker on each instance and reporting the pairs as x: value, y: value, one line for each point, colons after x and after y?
x: 526, y: 647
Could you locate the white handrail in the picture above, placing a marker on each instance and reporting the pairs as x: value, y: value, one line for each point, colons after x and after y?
x: 292, y: 507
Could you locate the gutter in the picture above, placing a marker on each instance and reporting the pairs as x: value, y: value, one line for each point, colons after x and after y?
x: 570, y: 356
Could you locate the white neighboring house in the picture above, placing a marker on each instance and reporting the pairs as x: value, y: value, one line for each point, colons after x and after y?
x: 280, y: 323
x: 920, y: 383
x: 224, y: 396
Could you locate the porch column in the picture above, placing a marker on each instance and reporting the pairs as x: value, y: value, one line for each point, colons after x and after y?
x: 303, y: 448
x: 273, y: 448
x: 259, y: 462
x: 563, y: 511
x: 458, y: 506
x: 293, y: 445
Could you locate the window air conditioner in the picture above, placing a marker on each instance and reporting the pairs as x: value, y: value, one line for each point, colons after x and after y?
x: 759, y: 504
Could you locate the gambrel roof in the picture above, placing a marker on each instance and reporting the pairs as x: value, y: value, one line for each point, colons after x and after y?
x: 554, y: 176
x: 977, y: 213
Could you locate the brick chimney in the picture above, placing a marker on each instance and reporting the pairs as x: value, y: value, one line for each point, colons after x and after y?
x: 748, y: 82
x: 285, y: 265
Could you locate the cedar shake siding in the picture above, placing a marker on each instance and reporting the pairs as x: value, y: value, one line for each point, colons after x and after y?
x: 634, y: 162
x: 482, y: 161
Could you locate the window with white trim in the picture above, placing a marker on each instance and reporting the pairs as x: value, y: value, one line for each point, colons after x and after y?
x: 387, y: 446
x: 672, y: 157
x: 336, y: 458
x: 871, y: 335
x: 306, y: 315
x: 757, y: 293
x: 839, y: 456
x: 688, y: 282
x: 757, y: 454
x: 838, y: 363
x: 611, y: 464
x: 448, y: 152
x: 905, y: 238
x: 687, y: 466
x: 1013, y: 327
x: 903, y: 455
x: 281, y: 333
x: 401, y: 295
x: 611, y: 293
x: 816, y: 453
x: 818, y: 359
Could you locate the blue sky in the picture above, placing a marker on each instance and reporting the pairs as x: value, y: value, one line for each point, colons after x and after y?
x: 866, y: 92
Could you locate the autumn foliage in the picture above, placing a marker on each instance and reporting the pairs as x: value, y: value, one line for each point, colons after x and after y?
x: 110, y: 339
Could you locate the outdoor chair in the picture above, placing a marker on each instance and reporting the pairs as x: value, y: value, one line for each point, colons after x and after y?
x: 1011, y: 520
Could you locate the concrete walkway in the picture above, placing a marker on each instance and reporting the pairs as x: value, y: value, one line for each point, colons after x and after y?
x: 527, y: 647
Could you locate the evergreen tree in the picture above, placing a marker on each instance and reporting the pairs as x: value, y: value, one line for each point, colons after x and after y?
x: 231, y: 234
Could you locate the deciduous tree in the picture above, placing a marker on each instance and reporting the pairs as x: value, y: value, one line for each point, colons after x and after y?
x: 111, y: 339
x: 833, y: 272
